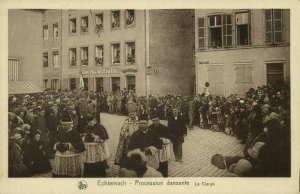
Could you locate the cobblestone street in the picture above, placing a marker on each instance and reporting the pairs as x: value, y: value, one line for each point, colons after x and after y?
x: 198, y: 148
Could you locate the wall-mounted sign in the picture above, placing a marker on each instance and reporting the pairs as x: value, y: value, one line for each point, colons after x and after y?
x: 95, y: 71
x: 129, y: 70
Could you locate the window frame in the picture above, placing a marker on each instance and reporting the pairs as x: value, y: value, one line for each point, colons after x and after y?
x: 81, y: 56
x: 111, y: 54
x: 53, y: 27
x: 53, y: 61
x: 81, y: 26
x: 70, y: 83
x: 47, y: 59
x: 125, y: 18
x: 273, y: 30
x: 97, y: 28
x: 44, y: 37
x: 126, y: 52
x: 76, y: 57
x: 111, y: 20
x: 249, y: 27
x: 95, y: 59
x: 70, y: 20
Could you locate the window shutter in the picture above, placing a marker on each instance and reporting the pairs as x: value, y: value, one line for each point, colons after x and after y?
x: 277, y: 15
x: 227, y: 30
x: 201, y: 32
x: 249, y: 27
x: 268, y: 26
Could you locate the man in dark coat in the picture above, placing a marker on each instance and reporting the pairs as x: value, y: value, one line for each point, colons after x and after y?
x: 164, y: 135
x: 144, y: 137
x: 178, y: 130
x: 95, y: 133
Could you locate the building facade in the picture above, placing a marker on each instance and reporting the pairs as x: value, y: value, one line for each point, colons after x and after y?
x: 241, y: 49
x: 25, y: 74
x: 147, y: 51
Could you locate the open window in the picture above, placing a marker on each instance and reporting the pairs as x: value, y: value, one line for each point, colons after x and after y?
x: 84, y: 56
x: 129, y: 17
x: 73, y: 57
x: 115, y: 19
x: 99, y: 55
x: 130, y: 52
x: 242, y: 22
x: 84, y: 24
x: 45, y: 59
x: 115, y: 53
x: 72, y: 26
x: 99, y: 22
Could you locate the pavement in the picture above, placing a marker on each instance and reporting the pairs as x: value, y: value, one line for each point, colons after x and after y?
x: 199, y: 146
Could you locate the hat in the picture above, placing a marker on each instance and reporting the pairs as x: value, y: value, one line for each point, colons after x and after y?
x: 17, y: 136
x: 66, y: 119
x: 27, y: 96
x: 273, y: 115
x: 254, y: 151
x: 90, y: 117
x: 26, y: 127
x: 143, y: 117
x: 218, y: 161
x: 242, y: 167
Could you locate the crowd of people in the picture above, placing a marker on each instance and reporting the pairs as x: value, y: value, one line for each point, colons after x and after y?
x: 62, y: 124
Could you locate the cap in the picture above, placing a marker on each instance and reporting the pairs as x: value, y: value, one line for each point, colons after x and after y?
x: 144, y: 117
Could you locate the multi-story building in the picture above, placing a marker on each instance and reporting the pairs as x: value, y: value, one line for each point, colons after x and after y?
x: 148, y: 51
x: 25, y: 74
x: 240, y: 49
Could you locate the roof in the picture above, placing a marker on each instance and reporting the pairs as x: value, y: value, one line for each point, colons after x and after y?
x: 23, y: 87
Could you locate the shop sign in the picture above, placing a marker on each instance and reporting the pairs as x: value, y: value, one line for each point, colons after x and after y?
x: 96, y: 71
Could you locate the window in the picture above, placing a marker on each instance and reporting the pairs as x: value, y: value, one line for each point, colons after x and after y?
x: 215, y: 31
x: 72, y: 82
x: 99, y: 55
x: 99, y: 83
x: 72, y: 25
x: 45, y: 32
x: 129, y: 17
x: 243, y: 74
x: 201, y: 32
x: 54, y: 84
x: 45, y: 84
x: 115, y: 19
x: 55, y: 59
x: 115, y: 81
x: 86, y: 83
x: 45, y: 59
x: 242, y: 21
x: 55, y: 30
x: 84, y: 56
x: 115, y: 53
x: 275, y: 73
x: 84, y: 24
x: 273, y: 26
x: 131, y: 83
x: 99, y: 22
x: 73, y: 57
x: 130, y: 52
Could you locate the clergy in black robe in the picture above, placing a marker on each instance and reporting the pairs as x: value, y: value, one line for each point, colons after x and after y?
x: 164, y: 135
x: 95, y: 136
x: 144, y: 138
x: 178, y: 130
x: 68, y: 145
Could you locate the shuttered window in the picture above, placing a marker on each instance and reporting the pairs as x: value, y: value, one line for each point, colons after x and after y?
x: 273, y: 26
x: 243, y: 74
x: 201, y: 32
